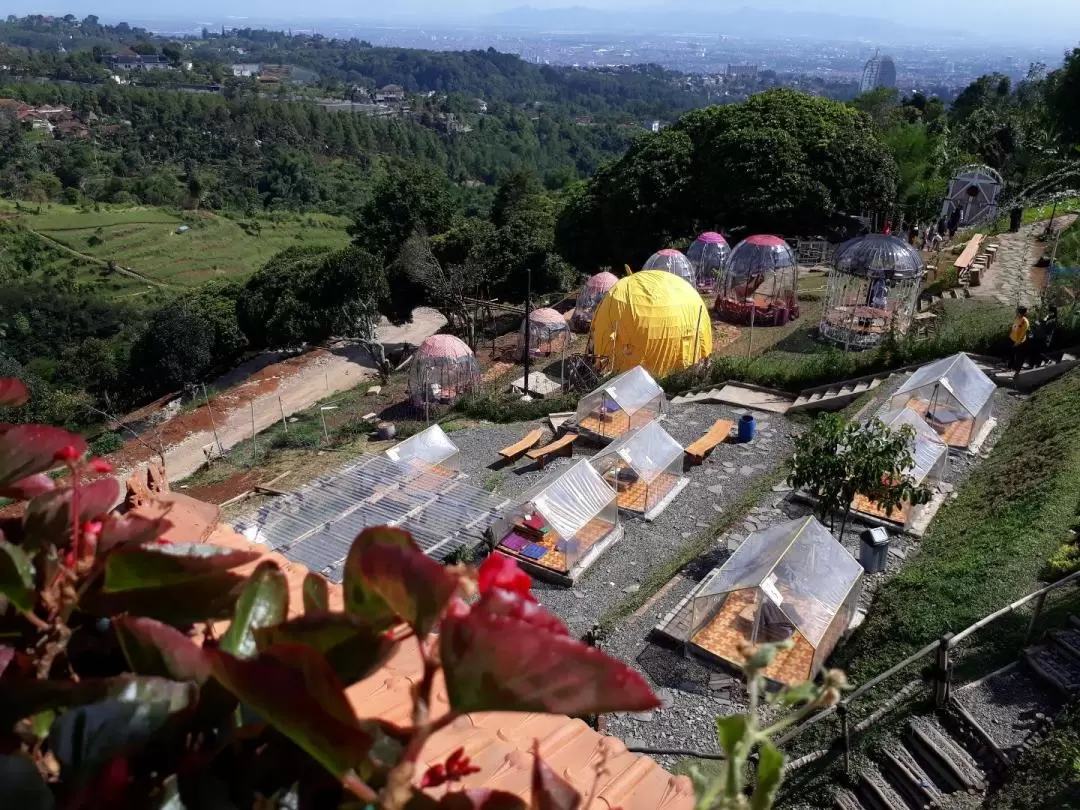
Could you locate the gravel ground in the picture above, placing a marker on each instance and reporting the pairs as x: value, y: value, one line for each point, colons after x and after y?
x: 1006, y: 705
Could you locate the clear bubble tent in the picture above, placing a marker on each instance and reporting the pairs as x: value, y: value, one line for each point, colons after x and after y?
x: 759, y: 283
x: 789, y: 581
x: 873, y: 290
x: 592, y: 293
x: 672, y: 261
x: 707, y: 255
x: 441, y: 370
x: 548, y: 332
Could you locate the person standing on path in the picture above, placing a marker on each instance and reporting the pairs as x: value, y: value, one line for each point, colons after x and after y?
x: 1018, y: 334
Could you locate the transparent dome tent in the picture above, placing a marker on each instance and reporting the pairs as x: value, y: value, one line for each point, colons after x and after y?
x: 644, y: 468
x: 560, y: 526
x: 974, y: 191
x: 790, y: 581
x: 873, y: 290
x: 441, y: 370
x: 622, y: 404
x: 548, y: 333
x: 760, y: 283
x: 430, y: 449
x: 707, y: 255
x: 592, y: 293
x: 930, y: 457
x: 953, y: 395
x: 671, y: 261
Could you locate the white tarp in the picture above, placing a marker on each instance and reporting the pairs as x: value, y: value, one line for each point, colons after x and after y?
x: 569, y: 499
x: 957, y: 375
x: 430, y: 446
x: 649, y: 451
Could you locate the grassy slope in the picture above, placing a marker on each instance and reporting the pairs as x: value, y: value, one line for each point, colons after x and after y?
x: 145, y: 239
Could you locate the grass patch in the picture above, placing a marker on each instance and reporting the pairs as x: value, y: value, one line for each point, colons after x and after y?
x: 1047, y: 776
x: 503, y: 408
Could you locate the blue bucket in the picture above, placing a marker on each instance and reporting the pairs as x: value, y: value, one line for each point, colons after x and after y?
x: 747, y: 428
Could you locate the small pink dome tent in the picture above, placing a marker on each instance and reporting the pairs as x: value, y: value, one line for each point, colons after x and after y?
x: 671, y: 261
x: 759, y: 283
x: 548, y: 332
x: 589, y: 299
x: 707, y: 255
x: 443, y: 369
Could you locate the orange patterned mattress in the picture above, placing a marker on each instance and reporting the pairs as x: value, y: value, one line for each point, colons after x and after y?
x: 956, y: 434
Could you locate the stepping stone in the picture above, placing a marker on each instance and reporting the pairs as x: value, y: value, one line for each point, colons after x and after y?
x: 634, y: 588
x: 577, y: 593
x: 746, y: 471
x: 667, y: 699
x: 642, y: 717
x: 728, y: 465
x: 716, y: 489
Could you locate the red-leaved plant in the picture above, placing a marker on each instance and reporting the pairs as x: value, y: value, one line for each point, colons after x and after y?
x: 107, y: 701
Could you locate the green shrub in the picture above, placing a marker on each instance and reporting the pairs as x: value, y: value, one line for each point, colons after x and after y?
x: 506, y: 407
x: 106, y: 443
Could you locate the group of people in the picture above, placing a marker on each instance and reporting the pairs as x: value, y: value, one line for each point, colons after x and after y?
x: 1030, y: 345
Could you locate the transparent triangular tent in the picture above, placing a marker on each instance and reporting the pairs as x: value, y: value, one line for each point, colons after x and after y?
x: 429, y: 449
x: 930, y: 456
x: 644, y: 468
x: 558, y: 522
x: 623, y: 403
x: 793, y: 580
x: 952, y: 395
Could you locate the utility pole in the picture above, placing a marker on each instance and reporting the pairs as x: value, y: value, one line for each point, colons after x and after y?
x: 528, y: 347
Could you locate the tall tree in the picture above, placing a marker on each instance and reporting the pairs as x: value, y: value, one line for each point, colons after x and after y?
x: 409, y: 197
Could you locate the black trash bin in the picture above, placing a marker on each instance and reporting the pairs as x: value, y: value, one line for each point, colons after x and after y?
x: 874, y: 550
x: 1016, y: 218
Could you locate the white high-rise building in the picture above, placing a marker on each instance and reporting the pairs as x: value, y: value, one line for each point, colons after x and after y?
x: 880, y: 71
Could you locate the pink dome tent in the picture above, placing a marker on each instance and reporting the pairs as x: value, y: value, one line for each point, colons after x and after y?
x: 589, y: 299
x: 759, y: 283
x: 548, y: 332
x: 671, y: 261
x: 707, y: 255
x: 442, y: 369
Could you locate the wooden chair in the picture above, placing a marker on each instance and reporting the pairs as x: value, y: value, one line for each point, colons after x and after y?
x: 700, y: 449
x: 515, y: 451
x: 563, y: 446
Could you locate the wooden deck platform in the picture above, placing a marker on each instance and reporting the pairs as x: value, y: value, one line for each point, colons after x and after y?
x: 955, y: 434
x: 614, y: 425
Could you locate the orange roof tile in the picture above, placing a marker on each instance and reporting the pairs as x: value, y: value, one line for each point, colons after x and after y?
x: 500, y: 743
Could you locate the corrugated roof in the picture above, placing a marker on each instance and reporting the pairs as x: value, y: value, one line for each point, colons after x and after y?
x: 499, y: 743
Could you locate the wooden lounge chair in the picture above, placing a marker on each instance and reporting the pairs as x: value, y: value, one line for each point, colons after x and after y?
x: 562, y: 446
x: 700, y: 449
x: 516, y: 451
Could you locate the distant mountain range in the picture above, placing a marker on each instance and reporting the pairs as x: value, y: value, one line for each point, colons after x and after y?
x: 747, y: 23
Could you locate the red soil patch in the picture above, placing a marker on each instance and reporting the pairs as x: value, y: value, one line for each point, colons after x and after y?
x: 224, y: 490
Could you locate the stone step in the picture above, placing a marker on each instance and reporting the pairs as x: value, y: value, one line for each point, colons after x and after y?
x: 1055, y: 668
x: 910, y: 778
x: 876, y: 793
x: 942, y: 757
x: 1068, y: 640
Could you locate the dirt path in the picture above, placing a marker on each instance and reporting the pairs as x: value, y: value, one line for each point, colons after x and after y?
x: 1014, y: 279
x: 280, y: 388
x: 125, y: 271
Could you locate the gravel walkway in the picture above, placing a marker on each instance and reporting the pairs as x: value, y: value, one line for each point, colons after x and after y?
x: 1009, y: 705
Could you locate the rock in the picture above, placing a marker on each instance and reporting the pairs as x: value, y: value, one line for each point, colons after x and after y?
x: 695, y: 485
x: 632, y: 588
x: 667, y: 699
x: 781, y: 488
x: 687, y: 535
x: 642, y: 717
x: 728, y: 465
x: 945, y: 487
x: 746, y: 472
x: 634, y: 742
x: 578, y: 593
x: 718, y: 681
x: 701, y: 524
x: 898, y: 552
x: 716, y: 489
x: 375, y: 389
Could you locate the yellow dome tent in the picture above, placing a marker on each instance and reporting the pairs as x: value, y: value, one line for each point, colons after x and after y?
x: 653, y: 319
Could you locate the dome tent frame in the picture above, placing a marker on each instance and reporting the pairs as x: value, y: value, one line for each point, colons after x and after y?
x: 873, y: 290
x: 644, y: 468
x: 974, y: 190
x: 559, y: 527
x: 791, y: 580
x: 954, y: 397
x: 441, y: 370
x: 760, y: 283
x: 708, y: 255
x: 623, y: 403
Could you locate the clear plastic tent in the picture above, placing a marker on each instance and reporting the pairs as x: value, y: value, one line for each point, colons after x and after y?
x: 547, y: 330
x: 929, y: 453
x: 707, y: 255
x: 952, y: 394
x: 793, y: 580
x: 642, y: 467
x: 555, y: 523
x: 672, y: 261
x: 589, y: 299
x: 430, y: 448
x: 442, y: 369
x: 873, y: 291
x: 760, y: 282
x: 625, y: 402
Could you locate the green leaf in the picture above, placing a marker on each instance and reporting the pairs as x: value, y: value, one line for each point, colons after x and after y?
x: 19, y: 699
x: 26, y: 450
x: 48, y: 517
x: 210, y: 597
x: 770, y: 773
x: 412, y: 584
x: 153, y: 648
x: 86, y: 738
x: 152, y: 565
x: 16, y: 576
x: 316, y: 593
x: 263, y: 602
x: 800, y: 693
x: 353, y: 648
x: 294, y: 689
x: 731, y: 731
x: 21, y: 786
x: 360, y: 598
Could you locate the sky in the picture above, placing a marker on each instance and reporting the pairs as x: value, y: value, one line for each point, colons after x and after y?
x: 1049, y: 21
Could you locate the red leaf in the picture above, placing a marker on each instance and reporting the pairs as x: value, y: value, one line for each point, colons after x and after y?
x: 495, y: 660
x: 29, y: 487
x: 473, y: 799
x: 13, y: 392
x: 412, y: 584
x: 29, y: 449
x: 48, y: 516
x: 293, y: 688
x: 210, y: 596
x: 549, y: 790
x: 153, y: 565
x: 130, y: 529
x: 153, y: 648
x: 360, y: 598
x: 6, y: 655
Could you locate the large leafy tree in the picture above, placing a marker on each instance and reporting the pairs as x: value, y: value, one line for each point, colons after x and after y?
x: 782, y: 161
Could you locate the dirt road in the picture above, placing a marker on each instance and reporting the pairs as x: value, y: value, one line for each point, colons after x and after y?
x: 288, y: 386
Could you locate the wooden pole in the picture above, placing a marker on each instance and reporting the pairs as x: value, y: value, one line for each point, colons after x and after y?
x: 842, y: 711
x: 284, y: 423
x: 1039, y: 602
x: 209, y: 410
x: 251, y: 402
x: 943, y: 677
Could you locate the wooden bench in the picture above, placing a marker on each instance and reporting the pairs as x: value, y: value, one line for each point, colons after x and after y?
x: 697, y: 452
x: 967, y: 256
x: 562, y: 446
x: 515, y: 451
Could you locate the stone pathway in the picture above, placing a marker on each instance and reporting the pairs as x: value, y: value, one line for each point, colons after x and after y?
x: 1011, y: 281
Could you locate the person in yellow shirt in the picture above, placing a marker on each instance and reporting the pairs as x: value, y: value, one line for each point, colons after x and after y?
x: 1018, y: 334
